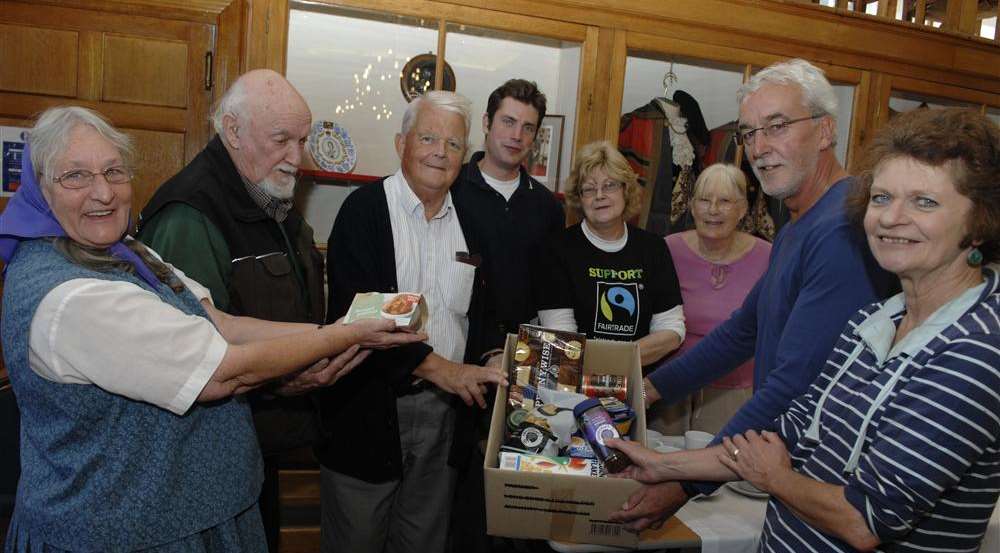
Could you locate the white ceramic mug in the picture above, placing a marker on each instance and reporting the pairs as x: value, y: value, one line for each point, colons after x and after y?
x: 696, y: 439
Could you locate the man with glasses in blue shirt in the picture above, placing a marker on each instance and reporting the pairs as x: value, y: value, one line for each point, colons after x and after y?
x: 819, y: 274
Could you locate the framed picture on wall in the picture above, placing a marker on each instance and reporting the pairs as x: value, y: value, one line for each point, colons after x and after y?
x: 543, y: 161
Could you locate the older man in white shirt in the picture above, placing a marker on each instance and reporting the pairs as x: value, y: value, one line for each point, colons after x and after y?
x: 387, y: 479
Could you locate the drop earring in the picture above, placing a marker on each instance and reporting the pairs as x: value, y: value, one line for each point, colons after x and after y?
x: 975, y: 257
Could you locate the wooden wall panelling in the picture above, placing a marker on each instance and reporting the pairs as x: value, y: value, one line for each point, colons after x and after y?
x: 203, y: 11
x: 37, y: 60
x: 200, y: 100
x: 494, y: 15
x: 920, y: 12
x: 861, y: 117
x: 785, y: 29
x: 142, y: 70
x: 230, y: 46
x: 39, y: 15
x: 616, y: 86
x: 26, y: 106
x: 887, y: 8
x: 879, y: 96
x: 441, y: 54
x: 966, y: 95
x: 599, y: 92
x: 777, y: 49
x: 267, y: 35
x: 585, y: 106
x: 162, y: 156
x: 961, y: 16
x: 258, y: 25
x: 661, y: 45
x: 91, y: 70
x: 277, y: 35
x: 145, y: 73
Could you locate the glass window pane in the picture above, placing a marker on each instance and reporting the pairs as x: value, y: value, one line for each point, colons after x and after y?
x: 660, y: 90
x: 994, y: 114
x: 713, y: 85
x: 988, y: 27
x: 347, y: 65
x: 845, y: 113
x: 483, y: 59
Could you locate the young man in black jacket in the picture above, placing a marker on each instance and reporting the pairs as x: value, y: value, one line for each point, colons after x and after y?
x: 514, y: 214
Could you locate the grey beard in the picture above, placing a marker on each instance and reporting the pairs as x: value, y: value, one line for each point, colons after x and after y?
x: 281, y: 192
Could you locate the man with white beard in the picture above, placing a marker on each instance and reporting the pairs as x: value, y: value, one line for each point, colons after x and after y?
x: 227, y: 221
x: 820, y: 271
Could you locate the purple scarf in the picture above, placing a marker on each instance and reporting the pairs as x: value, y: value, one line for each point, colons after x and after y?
x: 29, y: 216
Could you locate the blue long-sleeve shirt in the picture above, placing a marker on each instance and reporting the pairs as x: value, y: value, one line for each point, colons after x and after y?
x: 820, y: 272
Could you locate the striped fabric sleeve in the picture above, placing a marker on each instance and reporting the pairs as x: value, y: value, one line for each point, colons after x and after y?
x: 929, y: 442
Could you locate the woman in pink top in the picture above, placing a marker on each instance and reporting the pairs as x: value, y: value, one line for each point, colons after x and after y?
x: 717, y: 265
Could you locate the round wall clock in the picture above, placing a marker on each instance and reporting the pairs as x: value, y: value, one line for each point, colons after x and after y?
x: 418, y: 76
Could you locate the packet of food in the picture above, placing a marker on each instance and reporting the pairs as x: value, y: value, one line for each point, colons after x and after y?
x: 407, y: 309
x: 621, y: 414
x: 524, y: 462
x: 551, y: 359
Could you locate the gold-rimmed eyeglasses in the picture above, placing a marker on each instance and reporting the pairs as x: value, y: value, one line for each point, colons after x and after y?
x: 81, y: 178
x: 609, y: 187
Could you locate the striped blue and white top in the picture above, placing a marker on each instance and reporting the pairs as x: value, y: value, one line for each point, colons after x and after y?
x: 909, y: 429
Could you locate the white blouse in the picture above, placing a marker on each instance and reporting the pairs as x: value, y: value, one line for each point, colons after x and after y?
x: 125, y: 340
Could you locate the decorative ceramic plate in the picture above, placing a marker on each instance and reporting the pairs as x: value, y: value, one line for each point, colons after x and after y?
x: 743, y: 487
x: 332, y: 147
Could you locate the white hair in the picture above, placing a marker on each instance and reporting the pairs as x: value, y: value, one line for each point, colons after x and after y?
x: 816, y: 89
x: 231, y: 102
x: 49, y: 138
x: 441, y: 99
x: 724, y: 173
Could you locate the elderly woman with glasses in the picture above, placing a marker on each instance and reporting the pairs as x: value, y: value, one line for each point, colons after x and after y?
x: 896, y: 445
x: 717, y: 265
x: 604, y: 277
x: 134, y: 434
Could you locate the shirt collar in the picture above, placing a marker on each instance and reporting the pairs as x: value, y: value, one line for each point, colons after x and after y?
x: 879, y: 330
x: 411, y: 204
x: 473, y: 165
x: 275, y: 208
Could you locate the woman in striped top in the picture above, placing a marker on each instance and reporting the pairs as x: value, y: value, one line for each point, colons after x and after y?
x: 894, y: 447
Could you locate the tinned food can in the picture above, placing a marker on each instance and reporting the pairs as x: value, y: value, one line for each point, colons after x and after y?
x: 604, y: 385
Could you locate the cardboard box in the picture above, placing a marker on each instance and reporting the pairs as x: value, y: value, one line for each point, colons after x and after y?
x: 408, y: 309
x: 559, y: 506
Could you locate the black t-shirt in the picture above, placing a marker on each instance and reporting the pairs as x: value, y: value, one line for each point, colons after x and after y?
x: 614, y: 295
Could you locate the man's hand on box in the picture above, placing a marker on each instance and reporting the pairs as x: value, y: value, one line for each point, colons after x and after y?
x: 381, y: 334
x: 324, y: 372
x: 467, y: 381
x: 495, y: 361
x: 650, y: 506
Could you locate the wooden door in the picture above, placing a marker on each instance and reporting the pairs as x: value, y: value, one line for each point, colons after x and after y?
x: 147, y: 74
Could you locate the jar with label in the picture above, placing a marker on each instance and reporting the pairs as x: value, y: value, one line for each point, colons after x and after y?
x: 596, y: 426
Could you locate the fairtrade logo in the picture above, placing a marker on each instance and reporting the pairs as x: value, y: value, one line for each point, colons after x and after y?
x: 618, y: 297
x: 617, y: 309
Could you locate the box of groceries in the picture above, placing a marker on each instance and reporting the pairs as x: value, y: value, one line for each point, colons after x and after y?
x: 546, y: 467
x: 408, y: 309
